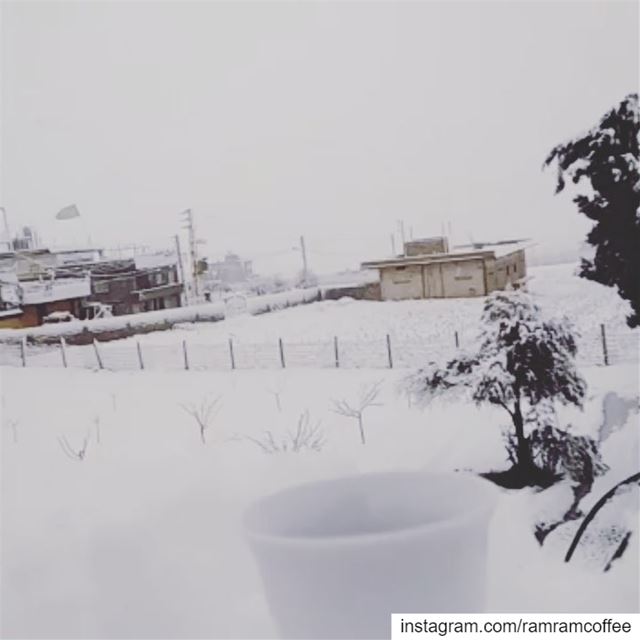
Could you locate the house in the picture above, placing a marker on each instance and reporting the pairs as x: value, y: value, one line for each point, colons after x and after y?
x: 27, y: 303
x: 29, y: 290
x: 126, y: 288
x: 37, y: 282
x: 442, y: 274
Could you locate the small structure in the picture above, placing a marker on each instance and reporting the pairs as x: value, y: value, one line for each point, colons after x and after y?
x: 231, y: 270
x: 38, y: 299
x: 426, y: 246
x: 78, y: 256
x: 29, y: 290
x: 33, y: 264
x: 443, y: 274
x: 10, y: 311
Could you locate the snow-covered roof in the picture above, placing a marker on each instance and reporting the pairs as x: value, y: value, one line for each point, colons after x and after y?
x: 37, y: 292
x: 488, y: 251
x: 8, y: 313
x: 507, y: 248
x: 151, y: 260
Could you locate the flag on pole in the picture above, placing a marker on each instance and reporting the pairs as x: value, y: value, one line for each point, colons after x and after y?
x: 68, y: 213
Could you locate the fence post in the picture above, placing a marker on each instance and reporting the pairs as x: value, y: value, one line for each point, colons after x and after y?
x: 281, y: 352
x: 98, y: 358
x: 335, y: 351
x: 231, y: 354
x: 457, y: 337
x: 389, y: 351
x: 139, y: 349
x: 186, y: 355
x: 23, y: 351
x: 63, y: 351
x: 605, y: 352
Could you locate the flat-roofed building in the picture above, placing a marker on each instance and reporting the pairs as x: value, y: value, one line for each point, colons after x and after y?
x: 457, y: 274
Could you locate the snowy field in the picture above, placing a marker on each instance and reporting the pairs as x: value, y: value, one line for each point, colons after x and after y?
x: 556, y: 287
x: 141, y: 538
x: 121, y: 519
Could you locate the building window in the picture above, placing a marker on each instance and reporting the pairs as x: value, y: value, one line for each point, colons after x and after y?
x: 101, y: 287
x: 507, y: 269
x: 401, y: 268
x: 515, y: 268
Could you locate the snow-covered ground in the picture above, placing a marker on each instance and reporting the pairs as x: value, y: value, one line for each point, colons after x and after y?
x: 556, y: 287
x: 142, y: 537
x: 119, y: 522
x: 419, y: 330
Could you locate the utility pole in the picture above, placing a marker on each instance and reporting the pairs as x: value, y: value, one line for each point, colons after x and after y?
x: 303, y: 251
x: 402, y: 237
x: 188, y: 219
x: 181, y: 269
x: 393, y: 245
x: 6, y: 228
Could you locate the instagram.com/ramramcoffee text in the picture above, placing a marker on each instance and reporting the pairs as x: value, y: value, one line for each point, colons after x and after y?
x: 410, y: 626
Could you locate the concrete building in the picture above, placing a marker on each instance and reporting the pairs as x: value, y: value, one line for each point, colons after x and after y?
x: 126, y: 288
x: 231, y: 270
x: 449, y: 275
x: 37, y: 282
x: 29, y: 290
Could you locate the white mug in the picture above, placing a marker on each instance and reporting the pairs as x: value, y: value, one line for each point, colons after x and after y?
x: 338, y: 557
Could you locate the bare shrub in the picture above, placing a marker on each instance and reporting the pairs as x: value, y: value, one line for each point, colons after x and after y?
x: 276, y: 391
x: 77, y: 454
x: 204, y: 413
x: 306, y: 436
x: 12, y: 425
x: 368, y: 397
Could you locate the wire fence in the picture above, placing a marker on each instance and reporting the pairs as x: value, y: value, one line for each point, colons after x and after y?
x: 601, y: 346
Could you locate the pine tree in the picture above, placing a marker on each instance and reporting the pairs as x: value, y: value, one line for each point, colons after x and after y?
x: 607, y: 157
x: 524, y: 364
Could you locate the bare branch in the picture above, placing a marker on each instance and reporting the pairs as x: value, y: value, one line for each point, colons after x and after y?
x: 305, y: 436
x: 72, y: 453
x: 204, y: 413
x: 368, y: 395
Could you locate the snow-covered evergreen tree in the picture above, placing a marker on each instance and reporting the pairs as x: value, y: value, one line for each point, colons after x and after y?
x: 607, y: 157
x: 524, y: 363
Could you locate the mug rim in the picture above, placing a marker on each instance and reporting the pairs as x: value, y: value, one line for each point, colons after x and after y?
x: 484, y: 507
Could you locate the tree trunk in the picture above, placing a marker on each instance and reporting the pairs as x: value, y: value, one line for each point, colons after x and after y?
x: 525, y: 461
x: 361, y: 425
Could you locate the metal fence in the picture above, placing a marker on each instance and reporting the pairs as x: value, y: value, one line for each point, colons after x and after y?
x: 598, y: 347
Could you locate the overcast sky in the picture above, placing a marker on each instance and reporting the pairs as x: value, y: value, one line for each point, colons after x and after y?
x: 328, y: 119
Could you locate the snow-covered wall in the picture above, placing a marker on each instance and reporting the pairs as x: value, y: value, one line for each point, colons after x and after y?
x: 117, y: 327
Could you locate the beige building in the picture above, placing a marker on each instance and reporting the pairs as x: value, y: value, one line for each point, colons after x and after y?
x: 450, y: 275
